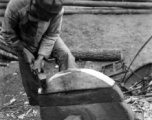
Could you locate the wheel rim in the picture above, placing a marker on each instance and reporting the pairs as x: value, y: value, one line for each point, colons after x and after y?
x: 138, y: 75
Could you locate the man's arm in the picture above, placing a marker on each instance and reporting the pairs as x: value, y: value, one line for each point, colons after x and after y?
x: 11, y: 20
x: 10, y: 26
x: 51, y: 35
x: 48, y: 41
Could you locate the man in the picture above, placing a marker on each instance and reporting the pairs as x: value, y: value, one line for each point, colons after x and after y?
x: 32, y: 29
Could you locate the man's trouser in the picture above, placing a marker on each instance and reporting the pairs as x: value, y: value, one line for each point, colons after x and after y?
x: 64, y: 59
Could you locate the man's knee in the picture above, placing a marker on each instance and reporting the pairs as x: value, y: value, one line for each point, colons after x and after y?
x: 64, y: 55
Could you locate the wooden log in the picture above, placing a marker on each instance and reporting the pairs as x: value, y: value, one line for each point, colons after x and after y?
x: 4, y: 1
x: 2, y: 12
x: 82, y: 54
x: 3, y: 64
x: 99, y: 7
x: 86, y: 54
x: 85, y: 7
x: 104, y: 11
x: 68, y: 8
x: 3, y: 5
x: 98, y: 54
x: 7, y: 56
x: 90, y: 3
x: 110, y: 11
x: 108, y: 4
x: 122, y: 0
x: 5, y: 47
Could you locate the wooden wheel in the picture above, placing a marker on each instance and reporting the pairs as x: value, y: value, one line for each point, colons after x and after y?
x: 136, y: 79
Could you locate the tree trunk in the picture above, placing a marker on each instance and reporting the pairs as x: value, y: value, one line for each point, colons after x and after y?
x: 97, y: 54
x: 80, y: 54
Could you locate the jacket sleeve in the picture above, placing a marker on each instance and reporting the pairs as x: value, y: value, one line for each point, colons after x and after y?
x: 51, y: 35
x: 9, y: 32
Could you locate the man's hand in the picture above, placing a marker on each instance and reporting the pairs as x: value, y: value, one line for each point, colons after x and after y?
x: 28, y: 56
x: 38, y: 64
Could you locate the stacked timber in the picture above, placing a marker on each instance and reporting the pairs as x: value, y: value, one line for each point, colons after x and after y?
x: 6, y: 53
x: 106, y: 7
x: 3, y: 5
x: 100, y: 6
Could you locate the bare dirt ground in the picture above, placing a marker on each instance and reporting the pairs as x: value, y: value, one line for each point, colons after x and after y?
x: 128, y: 32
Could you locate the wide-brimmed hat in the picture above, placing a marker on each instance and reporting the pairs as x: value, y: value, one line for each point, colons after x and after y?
x: 51, y: 6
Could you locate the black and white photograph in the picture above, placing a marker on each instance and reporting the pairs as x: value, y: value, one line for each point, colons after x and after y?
x: 75, y: 59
